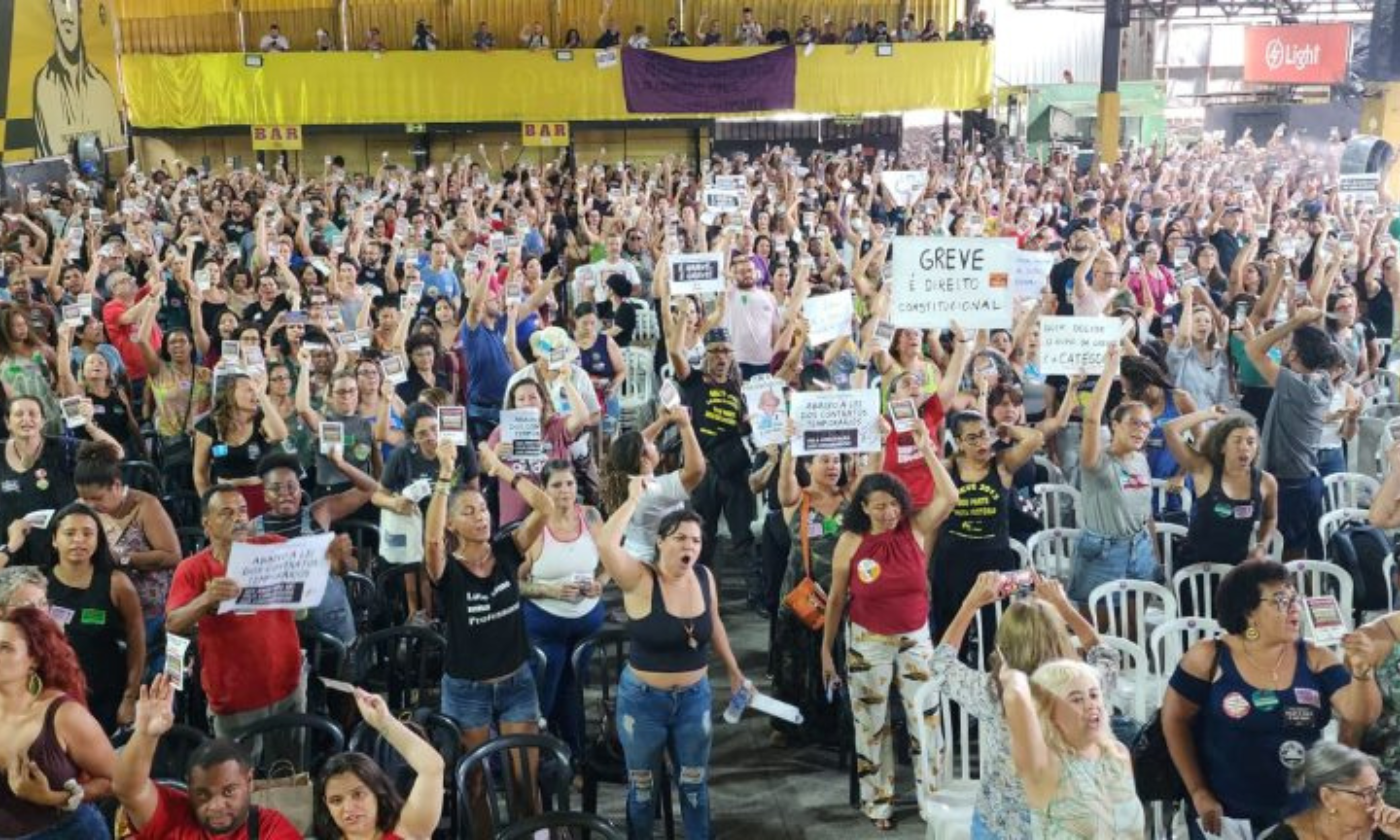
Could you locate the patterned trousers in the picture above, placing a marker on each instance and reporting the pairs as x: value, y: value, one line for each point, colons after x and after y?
x: 872, y: 661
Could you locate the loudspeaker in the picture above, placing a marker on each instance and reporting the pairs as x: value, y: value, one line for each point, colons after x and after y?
x: 1385, y: 41
x: 1366, y: 153
x: 87, y: 155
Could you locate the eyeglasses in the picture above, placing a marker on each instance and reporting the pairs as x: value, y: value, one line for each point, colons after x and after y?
x: 977, y: 437
x: 282, y: 487
x: 1138, y: 424
x: 1370, y: 795
x: 1284, y: 600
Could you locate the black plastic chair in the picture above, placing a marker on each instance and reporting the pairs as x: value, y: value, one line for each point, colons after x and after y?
x: 365, y: 604
x: 393, y: 591
x: 404, y: 664
x: 563, y: 825
x: 291, y: 743
x: 598, y: 662
x: 192, y: 539
x: 183, y: 509
x: 142, y: 475
x: 327, y: 656
x: 364, y: 536
x: 507, y: 802
x: 172, y: 756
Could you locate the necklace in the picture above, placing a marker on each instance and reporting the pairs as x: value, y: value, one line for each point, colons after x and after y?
x: 28, y: 461
x: 689, y: 628
x: 1273, y: 672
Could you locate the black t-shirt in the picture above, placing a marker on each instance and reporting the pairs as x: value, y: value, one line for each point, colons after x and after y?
x: 227, y: 461
x: 716, y: 411
x: 407, y: 465
x: 1061, y: 278
x: 608, y: 39
x: 235, y: 230
x: 264, y: 317
x: 48, y: 485
x: 1227, y: 247
x: 624, y: 318
x: 485, y: 626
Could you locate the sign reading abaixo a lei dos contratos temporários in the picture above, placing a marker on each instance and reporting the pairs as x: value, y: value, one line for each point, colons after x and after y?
x: 835, y: 421
x: 289, y: 575
x: 1075, y: 344
x: 939, y: 280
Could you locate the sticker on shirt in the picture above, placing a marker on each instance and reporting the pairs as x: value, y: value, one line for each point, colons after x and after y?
x: 1265, y: 701
x: 1235, y: 705
x: 1308, y: 697
x: 92, y: 615
x: 361, y: 452
x: 868, y: 570
x: 1300, y: 717
x: 814, y: 527
x: 1290, y: 754
x: 254, y: 452
x: 61, y: 615
x: 9, y: 485
x: 1243, y: 512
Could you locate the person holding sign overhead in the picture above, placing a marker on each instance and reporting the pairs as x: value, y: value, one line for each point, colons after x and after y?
x: 358, y: 443
x: 881, y: 564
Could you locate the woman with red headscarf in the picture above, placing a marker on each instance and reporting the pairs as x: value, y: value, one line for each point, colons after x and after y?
x: 53, y: 753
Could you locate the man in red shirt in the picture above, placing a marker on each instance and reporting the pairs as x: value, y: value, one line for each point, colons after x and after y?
x: 220, y: 780
x: 250, y: 663
x: 122, y: 315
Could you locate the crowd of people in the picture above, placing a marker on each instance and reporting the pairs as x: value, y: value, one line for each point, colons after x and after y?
x: 491, y: 360
x: 748, y: 32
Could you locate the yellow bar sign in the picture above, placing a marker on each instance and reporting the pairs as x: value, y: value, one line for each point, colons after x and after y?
x: 544, y: 134
x: 276, y: 138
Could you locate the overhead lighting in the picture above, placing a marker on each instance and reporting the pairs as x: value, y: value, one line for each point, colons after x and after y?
x: 252, y: 60
x: 563, y: 55
x: 884, y: 50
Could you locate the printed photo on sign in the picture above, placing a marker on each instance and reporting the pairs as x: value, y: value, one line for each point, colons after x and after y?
x: 290, y: 575
x: 452, y: 424
x: 723, y: 201
x: 903, y: 415
x: 74, y: 416
x: 1363, y: 187
x: 696, y: 274
x: 767, y: 412
x: 669, y: 396
x: 835, y: 421
x: 332, y: 437
x: 394, y: 371
x: 175, y: 647
x: 829, y: 316
x: 939, y: 280
x: 1073, y: 344
x: 905, y: 186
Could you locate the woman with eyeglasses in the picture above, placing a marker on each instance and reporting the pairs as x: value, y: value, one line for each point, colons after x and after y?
x: 1343, y: 788
x: 1117, y: 530
x: 358, y: 443
x: 1241, y: 711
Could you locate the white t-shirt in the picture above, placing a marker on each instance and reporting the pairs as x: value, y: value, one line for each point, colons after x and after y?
x: 599, y: 272
x: 665, y: 494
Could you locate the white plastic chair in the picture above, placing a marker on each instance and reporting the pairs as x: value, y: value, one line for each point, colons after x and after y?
x: 1318, y: 577
x: 947, y: 755
x: 1023, y: 553
x: 1059, y: 505
x: 1160, y: 496
x: 1274, y: 549
x: 1053, y: 473
x: 1169, y: 538
x: 1130, y: 608
x: 1348, y: 490
x: 1052, y: 552
x: 638, y: 389
x: 984, y: 645
x: 1171, y: 639
x: 1333, y: 521
x: 1199, y: 581
x: 648, y: 328
x: 1134, y: 694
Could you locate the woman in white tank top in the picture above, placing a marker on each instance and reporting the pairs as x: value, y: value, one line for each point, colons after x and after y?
x: 562, y: 582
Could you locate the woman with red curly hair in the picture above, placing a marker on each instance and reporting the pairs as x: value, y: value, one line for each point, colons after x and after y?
x: 54, y: 756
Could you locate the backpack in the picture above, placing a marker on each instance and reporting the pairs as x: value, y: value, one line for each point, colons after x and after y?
x: 1361, y: 549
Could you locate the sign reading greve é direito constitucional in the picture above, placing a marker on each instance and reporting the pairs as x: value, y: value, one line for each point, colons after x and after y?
x: 938, y: 280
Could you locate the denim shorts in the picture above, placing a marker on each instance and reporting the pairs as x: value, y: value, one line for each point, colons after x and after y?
x: 1099, y: 560
x: 477, y: 705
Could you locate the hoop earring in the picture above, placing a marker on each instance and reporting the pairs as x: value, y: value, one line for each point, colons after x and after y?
x: 36, y: 684
x: 1252, y: 633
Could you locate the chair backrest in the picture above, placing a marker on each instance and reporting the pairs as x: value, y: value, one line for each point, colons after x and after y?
x: 1162, y: 494
x: 1332, y: 521
x: 142, y: 475
x: 1052, y: 552
x: 1195, y: 587
x: 562, y: 824
x: 511, y: 778
x: 985, y: 635
x: 1171, y: 639
x: 1131, y: 694
x: 1122, y: 607
x: 648, y: 328
x: 1273, y: 550
x: 1318, y: 577
x: 172, y: 759
x: 597, y: 663
x: 640, y: 382
x: 1059, y: 505
x: 364, y: 536
x: 1053, y: 474
x: 402, y: 663
x: 183, y: 508
x: 325, y: 657
x: 295, y: 741
x: 1388, y: 569
x: 1348, y: 490
x: 365, y: 605
x: 192, y: 539
x: 1170, y: 538
x: 392, y: 585
x: 1023, y: 554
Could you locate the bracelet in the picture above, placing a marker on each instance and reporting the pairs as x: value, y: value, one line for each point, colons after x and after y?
x: 516, y: 480
x: 1365, y: 676
x: 76, y: 795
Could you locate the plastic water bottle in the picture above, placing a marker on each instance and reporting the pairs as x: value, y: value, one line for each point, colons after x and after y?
x: 738, y: 703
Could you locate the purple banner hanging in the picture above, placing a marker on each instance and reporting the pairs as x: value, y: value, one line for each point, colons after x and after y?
x: 656, y: 83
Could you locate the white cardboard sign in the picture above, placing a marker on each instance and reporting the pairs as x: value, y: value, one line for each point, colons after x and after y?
x: 829, y: 316
x: 1076, y: 344
x: 835, y: 421
x: 938, y: 280
x: 289, y: 575
x: 696, y: 274
x: 1030, y: 273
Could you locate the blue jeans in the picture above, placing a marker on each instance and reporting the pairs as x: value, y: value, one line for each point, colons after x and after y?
x: 558, y: 637
x: 650, y: 720
x: 612, y: 415
x: 83, y: 824
x: 1099, y: 560
x: 1331, y: 461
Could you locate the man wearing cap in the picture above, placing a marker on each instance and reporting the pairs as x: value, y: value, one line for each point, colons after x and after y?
x: 1226, y: 237
x: 712, y: 393
x: 753, y: 322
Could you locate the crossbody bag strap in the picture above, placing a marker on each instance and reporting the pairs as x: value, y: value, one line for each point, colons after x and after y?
x: 805, y: 525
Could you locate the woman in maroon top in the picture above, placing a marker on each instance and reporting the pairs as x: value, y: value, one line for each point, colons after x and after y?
x: 882, y: 562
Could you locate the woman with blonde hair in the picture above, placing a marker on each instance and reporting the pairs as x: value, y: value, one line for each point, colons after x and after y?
x: 243, y: 427
x: 1078, y: 779
x: 1032, y: 631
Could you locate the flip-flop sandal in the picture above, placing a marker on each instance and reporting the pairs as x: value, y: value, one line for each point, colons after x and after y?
x: 883, y: 824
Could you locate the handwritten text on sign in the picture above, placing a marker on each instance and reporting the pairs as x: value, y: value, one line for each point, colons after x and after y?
x: 697, y: 274
x: 835, y: 421
x: 1030, y: 273
x: 938, y: 280
x: 1070, y: 345
x: 828, y: 316
x: 288, y: 575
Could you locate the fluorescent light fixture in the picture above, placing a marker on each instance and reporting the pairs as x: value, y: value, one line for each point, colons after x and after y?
x: 252, y: 60
x: 884, y: 50
x: 563, y: 55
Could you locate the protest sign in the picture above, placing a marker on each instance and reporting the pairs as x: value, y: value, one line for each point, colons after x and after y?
x: 938, y: 280
x: 828, y: 316
x: 394, y: 371
x: 763, y: 400
x: 1030, y: 273
x: 835, y: 421
x: 175, y: 647
x: 520, y: 427
x: 1073, y: 344
x: 332, y: 436
x: 73, y: 315
x: 906, y: 186
x: 731, y: 183
x: 723, y: 201
x: 1360, y: 186
x: 452, y: 424
x: 696, y: 274
x: 288, y: 575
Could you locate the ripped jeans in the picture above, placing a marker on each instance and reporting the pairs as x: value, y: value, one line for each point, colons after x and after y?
x: 650, y: 720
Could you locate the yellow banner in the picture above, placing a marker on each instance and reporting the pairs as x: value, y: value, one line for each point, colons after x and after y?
x: 62, y: 77
x: 552, y: 134
x: 358, y: 88
x: 277, y: 138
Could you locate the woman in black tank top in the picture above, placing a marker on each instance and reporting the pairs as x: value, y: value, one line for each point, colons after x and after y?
x: 1236, y: 495
x: 111, y: 405
x: 663, y: 695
